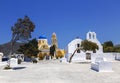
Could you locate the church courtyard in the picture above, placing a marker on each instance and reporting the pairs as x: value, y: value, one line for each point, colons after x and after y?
x: 53, y: 71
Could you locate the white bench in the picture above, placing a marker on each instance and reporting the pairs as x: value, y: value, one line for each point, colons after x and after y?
x: 101, y: 65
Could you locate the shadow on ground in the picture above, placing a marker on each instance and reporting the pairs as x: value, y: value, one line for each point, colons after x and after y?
x: 18, y: 68
x: 82, y: 62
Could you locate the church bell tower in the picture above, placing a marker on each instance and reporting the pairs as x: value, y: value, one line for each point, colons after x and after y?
x: 54, y: 40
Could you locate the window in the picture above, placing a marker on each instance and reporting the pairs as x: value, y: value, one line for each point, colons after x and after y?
x: 78, y: 45
x: 93, y: 36
x: 89, y: 35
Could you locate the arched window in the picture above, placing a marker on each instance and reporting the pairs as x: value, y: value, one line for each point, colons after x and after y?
x: 93, y: 36
x: 78, y: 45
x: 89, y: 35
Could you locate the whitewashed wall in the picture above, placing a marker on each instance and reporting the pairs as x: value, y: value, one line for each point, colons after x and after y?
x: 73, y: 45
x: 108, y: 56
x: 117, y: 56
x: 77, y: 57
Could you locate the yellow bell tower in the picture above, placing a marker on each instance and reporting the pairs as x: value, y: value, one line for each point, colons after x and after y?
x: 44, y: 47
x: 54, y: 40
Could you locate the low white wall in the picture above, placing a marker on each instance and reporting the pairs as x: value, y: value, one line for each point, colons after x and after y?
x: 108, y: 56
x: 81, y: 57
x: 117, y: 56
x: 77, y: 57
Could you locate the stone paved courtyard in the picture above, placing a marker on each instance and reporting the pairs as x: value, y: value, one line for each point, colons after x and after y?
x: 56, y: 72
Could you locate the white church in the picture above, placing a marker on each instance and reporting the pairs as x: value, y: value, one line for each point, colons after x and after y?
x: 79, y: 54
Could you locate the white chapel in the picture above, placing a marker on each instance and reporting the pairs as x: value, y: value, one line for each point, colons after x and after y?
x: 74, y: 44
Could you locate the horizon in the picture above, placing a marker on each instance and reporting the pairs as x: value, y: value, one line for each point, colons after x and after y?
x: 67, y: 18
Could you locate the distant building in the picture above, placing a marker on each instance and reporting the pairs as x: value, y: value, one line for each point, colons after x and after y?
x: 44, y: 47
x: 43, y: 43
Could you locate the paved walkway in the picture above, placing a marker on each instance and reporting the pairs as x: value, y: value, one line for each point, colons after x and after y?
x: 56, y: 72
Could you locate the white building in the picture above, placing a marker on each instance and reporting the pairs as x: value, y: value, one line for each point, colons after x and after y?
x: 79, y: 54
x: 74, y: 44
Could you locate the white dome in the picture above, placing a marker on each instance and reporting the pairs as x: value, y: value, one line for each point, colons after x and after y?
x: 75, y: 41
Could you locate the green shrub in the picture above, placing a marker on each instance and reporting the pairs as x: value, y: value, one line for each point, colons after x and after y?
x: 34, y: 61
x: 7, y: 67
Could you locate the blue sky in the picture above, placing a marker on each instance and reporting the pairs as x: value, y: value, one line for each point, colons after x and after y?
x: 67, y: 18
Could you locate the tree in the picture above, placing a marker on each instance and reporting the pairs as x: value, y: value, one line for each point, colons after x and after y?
x: 88, y: 45
x: 108, y: 46
x: 117, y: 49
x: 29, y: 49
x: 60, y: 53
x: 21, y: 31
x: 52, y: 51
x: 108, y: 49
